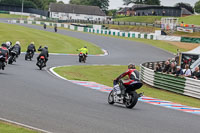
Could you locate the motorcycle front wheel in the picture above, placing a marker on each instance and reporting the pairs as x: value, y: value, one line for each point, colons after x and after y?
x: 111, y: 98
x: 132, y: 100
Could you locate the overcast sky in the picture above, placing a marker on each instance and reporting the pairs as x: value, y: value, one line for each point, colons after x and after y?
x: 115, y: 4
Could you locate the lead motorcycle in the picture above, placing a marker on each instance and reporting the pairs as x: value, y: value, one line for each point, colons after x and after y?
x: 41, y: 62
x: 2, y: 62
x: 129, y: 99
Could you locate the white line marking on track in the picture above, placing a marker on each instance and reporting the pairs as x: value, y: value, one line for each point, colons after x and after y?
x: 24, y: 125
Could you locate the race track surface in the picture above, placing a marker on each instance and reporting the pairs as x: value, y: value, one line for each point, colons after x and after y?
x: 39, y: 99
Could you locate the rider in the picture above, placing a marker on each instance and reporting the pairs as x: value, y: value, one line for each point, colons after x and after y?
x: 44, y: 52
x: 4, y: 52
x: 83, y: 50
x: 133, y: 75
x: 31, y: 48
x: 17, y: 48
x: 9, y: 46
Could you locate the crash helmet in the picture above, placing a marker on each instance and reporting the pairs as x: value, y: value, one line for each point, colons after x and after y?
x: 17, y: 42
x: 131, y: 66
x: 8, y: 44
x: 3, y: 44
x: 85, y: 46
x: 32, y: 43
x: 46, y: 47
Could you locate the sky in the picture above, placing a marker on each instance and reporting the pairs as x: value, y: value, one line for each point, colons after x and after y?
x: 115, y: 4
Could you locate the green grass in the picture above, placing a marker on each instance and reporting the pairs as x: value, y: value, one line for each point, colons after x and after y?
x: 143, y: 19
x: 11, y: 16
x: 57, y: 43
x: 106, y: 74
x: 9, y: 128
x: 194, y: 19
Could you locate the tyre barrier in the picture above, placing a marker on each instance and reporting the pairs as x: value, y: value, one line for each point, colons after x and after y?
x: 180, y: 85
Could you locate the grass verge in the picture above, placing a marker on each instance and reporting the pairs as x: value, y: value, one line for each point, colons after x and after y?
x: 140, y: 19
x: 9, y: 128
x: 95, y: 73
x: 57, y: 43
x: 147, y: 29
x: 156, y: 43
x: 11, y: 16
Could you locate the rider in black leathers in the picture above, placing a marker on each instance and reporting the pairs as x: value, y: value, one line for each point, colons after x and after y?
x: 31, y: 48
x: 44, y: 52
x: 17, y: 48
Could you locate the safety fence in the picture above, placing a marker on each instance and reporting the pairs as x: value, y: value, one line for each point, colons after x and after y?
x: 180, y: 85
x: 98, y: 30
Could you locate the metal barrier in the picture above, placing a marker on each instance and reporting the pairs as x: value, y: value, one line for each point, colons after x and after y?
x: 180, y: 85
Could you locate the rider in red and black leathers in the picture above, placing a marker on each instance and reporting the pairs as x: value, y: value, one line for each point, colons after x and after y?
x: 4, y: 52
x: 133, y: 75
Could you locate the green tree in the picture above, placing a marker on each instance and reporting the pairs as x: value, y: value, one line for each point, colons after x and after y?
x: 152, y: 2
x: 103, y: 4
x: 197, y: 6
x: 147, y: 2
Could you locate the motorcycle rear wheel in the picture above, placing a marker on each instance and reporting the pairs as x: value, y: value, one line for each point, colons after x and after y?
x: 111, y: 98
x: 130, y: 103
x: 10, y: 60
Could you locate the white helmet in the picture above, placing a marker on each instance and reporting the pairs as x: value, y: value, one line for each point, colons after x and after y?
x: 8, y: 43
x: 17, y: 42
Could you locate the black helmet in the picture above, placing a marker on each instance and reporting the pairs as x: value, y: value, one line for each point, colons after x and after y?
x: 46, y: 47
x: 3, y: 45
x: 131, y: 66
x: 85, y: 46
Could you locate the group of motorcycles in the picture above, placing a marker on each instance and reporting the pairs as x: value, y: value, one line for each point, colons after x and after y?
x: 13, y: 56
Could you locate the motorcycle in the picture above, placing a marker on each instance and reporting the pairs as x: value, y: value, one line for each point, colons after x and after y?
x: 129, y: 99
x: 41, y: 62
x: 82, y: 57
x: 12, y: 57
x: 29, y: 55
x: 2, y: 62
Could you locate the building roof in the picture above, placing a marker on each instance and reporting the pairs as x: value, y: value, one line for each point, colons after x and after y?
x: 125, y: 9
x: 76, y: 9
x: 144, y: 7
x: 185, y: 12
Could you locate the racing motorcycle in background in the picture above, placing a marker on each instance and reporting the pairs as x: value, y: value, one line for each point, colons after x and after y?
x: 2, y: 62
x: 12, y: 57
x: 129, y: 99
x: 82, y: 57
x: 41, y: 62
x: 29, y: 55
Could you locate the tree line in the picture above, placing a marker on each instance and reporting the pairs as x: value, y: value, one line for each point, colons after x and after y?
x: 103, y: 4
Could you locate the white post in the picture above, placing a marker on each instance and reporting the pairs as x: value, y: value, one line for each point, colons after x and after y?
x: 22, y: 8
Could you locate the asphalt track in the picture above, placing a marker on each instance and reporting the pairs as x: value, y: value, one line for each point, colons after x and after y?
x: 39, y: 99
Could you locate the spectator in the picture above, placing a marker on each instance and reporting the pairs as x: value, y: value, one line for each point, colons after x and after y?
x: 196, y: 73
x: 166, y: 67
x: 158, y: 67
x: 187, y: 72
x: 172, y: 69
x: 163, y: 13
x: 179, y: 71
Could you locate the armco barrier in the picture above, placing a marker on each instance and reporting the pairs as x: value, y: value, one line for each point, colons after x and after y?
x: 180, y: 85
